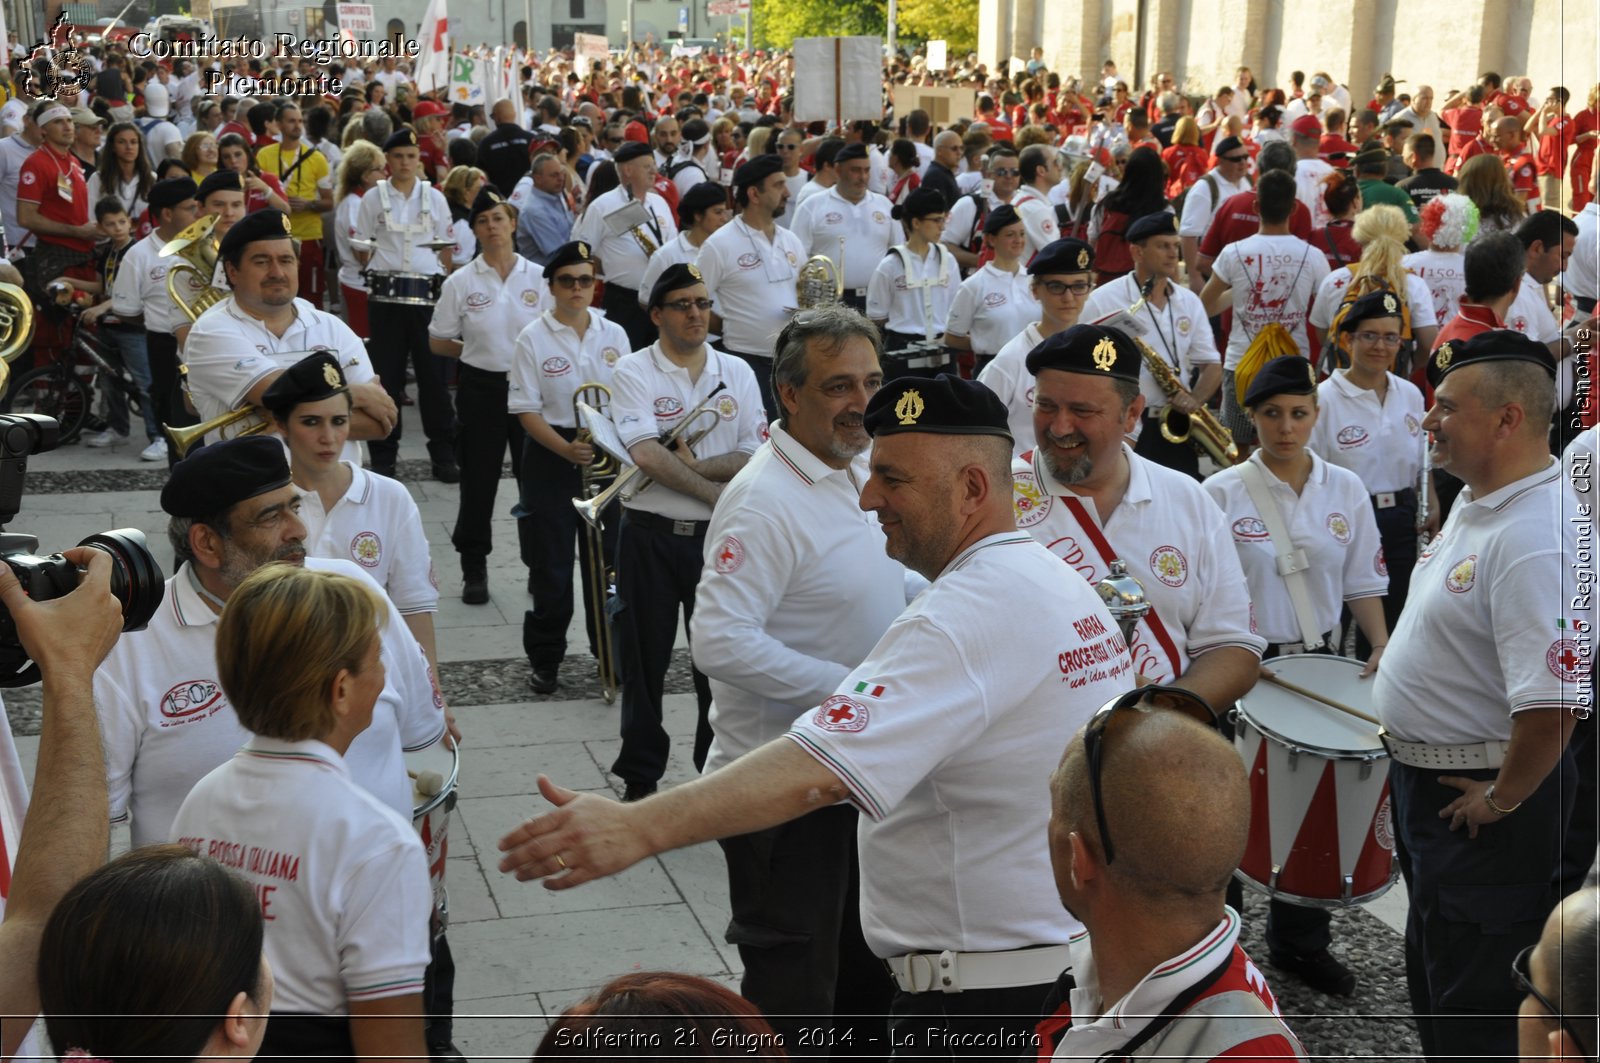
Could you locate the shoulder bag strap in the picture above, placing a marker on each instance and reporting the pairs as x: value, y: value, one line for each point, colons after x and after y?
x: 1292, y: 563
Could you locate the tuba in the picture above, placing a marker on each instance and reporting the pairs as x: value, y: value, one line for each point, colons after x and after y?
x: 16, y: 327
x: 189, y: 279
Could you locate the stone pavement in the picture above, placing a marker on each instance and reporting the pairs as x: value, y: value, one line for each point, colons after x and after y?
x: 523, y: 952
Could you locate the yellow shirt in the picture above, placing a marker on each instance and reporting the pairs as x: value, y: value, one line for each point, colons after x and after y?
x: 301, y: 184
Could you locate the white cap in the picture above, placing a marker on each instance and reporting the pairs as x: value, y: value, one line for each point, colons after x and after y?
x: 155, y: 99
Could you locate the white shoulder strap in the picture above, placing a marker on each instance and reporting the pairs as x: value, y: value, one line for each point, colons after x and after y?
x: 1292, y: 563
x: 924, y: 285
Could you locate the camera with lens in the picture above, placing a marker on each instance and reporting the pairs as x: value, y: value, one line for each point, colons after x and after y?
x: 136, y: 577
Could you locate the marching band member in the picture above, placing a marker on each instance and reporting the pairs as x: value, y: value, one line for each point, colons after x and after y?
x: 623, y: 243
x: 910, y: 295
x: 996, y: 302
x: 482, y: 308
x: 663, y: 530
x: 848, y: 223
x: 1063, y: 273
x: 1323, y: 510
x: 702, y: 210
x: 750, y: 267
x: 263, y: 315
x: 1176, y: 329
x: 222, y: 194
x: 569, y: 345
x: 360, y: 170
x: 1087, y: 496
x: 393, y: 228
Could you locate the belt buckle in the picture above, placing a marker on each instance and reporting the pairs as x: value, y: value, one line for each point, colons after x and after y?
x: 1387, y: 742
x: 1384, y: 499
x: 683, y: 527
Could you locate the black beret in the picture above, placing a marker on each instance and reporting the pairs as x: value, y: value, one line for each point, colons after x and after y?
x: 313, y: 378
x: 488, y: 198
x: 921, y: 203
x: 220, y: 181
x: 1062, y: 256
x: 630, y: 151
x: 999, y: 218
x: 212, y: 479
x: 943, y: 405
x: 699, y: 199
x: 1225, y: 145
x: 1497, y: 345
x: 573, y: 253
x: 166, y: 194
x: 850, y: 151
x: 1369, y: 306
x: 401, y: 138
x: 1291, y: 374
x: 754, y: 171
x: 265, y: 224
x: 674, y: 277
x: 1093, y: 349
x: 1161, y: 223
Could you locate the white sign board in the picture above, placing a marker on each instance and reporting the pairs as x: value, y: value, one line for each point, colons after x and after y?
x: 357, y: 18
x: 727, y: 8
x: 838, y: 79
x: 936, y: 55
x: 589, y: 48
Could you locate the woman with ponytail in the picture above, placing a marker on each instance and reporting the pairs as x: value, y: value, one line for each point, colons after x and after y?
x: 1342, y: 195
x: 1381, y: 231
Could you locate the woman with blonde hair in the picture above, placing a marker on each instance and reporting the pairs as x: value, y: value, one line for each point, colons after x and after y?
x: 1483, y: 180
x: 1382, y: 231
x: 361, y: 168
x: 1187, y: 161
x: 200, y: 155
x: 461, y: 186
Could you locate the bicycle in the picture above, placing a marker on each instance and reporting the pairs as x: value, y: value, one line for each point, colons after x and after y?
x: 64, y: 388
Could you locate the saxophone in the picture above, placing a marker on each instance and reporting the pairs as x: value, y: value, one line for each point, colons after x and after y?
x: 1200, y: 429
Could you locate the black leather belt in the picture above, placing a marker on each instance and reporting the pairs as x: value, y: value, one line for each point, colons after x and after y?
x: 667, y: 525
x: 1389, y: 499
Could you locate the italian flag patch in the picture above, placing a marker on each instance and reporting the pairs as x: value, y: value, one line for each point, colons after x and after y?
x: 871, y: 690
x: 1562, y: 624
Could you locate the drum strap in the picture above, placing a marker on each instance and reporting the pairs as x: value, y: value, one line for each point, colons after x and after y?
x: 1292, y: 563
x: 1102, y: 546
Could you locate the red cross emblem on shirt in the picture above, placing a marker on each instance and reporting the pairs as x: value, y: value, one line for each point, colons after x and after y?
x: 841, y: 713
x: 1339, y: 283
x: 1568, y: 659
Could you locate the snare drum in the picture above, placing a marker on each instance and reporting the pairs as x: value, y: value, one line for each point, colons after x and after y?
x: 1320, y: 827
x: 412, y: 289
x: 430, y: 812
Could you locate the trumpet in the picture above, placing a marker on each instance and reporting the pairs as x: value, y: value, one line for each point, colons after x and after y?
x: 600, y: 576
x: 184, y: 437
x: 590, y: 508
x: 1200, y: 429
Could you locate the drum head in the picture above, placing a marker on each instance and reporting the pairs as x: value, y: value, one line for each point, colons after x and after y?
x: 1299, y: 721
x: 436, y: 758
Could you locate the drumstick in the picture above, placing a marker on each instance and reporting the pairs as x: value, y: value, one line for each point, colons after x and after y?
x: 1314, y: 696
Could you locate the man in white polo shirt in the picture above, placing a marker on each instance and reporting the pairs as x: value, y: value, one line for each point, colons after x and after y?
x: 1487, y: 671
x: 751, y: 266
x: 1041, y: 171
x: 623, y: 242
x: 941, y: 737
x: 1230, y: 177
x: 849, y: 224
x: 795, y: 589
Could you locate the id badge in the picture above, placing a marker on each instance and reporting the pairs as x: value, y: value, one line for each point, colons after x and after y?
x: 64, y: 187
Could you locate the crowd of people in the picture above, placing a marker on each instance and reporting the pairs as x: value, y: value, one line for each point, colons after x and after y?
x: 1315, y: 372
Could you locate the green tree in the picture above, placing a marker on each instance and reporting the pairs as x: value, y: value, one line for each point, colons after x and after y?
x: 779, y: 22
x: 955, y: 21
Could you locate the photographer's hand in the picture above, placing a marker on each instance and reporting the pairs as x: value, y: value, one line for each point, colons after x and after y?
x: 69, y: 636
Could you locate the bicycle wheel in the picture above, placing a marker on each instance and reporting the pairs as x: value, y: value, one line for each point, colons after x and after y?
x: 54, y: 393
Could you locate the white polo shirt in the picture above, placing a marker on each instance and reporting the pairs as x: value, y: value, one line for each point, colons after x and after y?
x: 788, y: 544
x: 1331, y: 520
x: 397, y: 228
x: 166, y: 720
x: 1496, y: 621
x: 1308, y: 177
x: 1530, y: 313
x: 677, y: 251
x: 961, y: 225
x: 752, y: 280
x: 1038, y: 219
x: 650, y: 396
x: 945, y: 736
x: 228, y: 352
x: 487, y: 313
x: 1007, y: 376
x: 140, y: 287
x: 1445, y: 274
x: 1174, y: 540
x: 342, y: 880
x: 621, y: 256
x: 1274, y: 279
x: 866, y: 229
x: 1199, y: 207
x: 377, y: 525
x: 891, y: 300
x: 344, y: 228
x: 811, y: 189
x: 1179, y: 332
x: 992, y: 307
x: 550, y: 363
x: 1419, y: 299
x: 1381, y: 442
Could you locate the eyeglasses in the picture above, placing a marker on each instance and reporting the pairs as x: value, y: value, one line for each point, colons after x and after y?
x: 683, y: 306
x: 569, y: 282
x: 1236, y: 158
x: 1063, y: 287
x: 786, y: 147
x: 1387, y: 339
x: 1522, y: 978
x: 937, y: 219
x: 1142, y: 699
x: 1008, y: 171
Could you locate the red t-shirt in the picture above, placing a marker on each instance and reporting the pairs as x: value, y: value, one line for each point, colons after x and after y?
x: 1512, y: 106
x: 1551, y: 158
x: 1186, y: 164
x: 667, y: 189
x: 1524, y: 177
x: 1465, y: 123
x: 999, y: 128
x: 1475, y: 146
x: 255, y: 200
x: 1337, y: 244
x: 434, y: 156
x: 1237, y: 218
x: 43, y: 179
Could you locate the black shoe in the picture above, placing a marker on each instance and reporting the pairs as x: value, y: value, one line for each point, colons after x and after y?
x: 1321, y: 970
x: 637, y: 791
x: 544, y: 681
x: 475, y: 589
x: 446, y: 472
x: 384, y: 470
x: 446, y: 1052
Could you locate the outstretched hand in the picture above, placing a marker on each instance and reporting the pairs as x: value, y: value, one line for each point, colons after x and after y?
x: 585, y: 838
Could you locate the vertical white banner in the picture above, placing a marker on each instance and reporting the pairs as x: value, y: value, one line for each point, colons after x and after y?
x: 433, y: 61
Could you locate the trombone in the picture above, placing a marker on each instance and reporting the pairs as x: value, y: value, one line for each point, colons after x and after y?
x: 590, y: 508
x: 600, y: 576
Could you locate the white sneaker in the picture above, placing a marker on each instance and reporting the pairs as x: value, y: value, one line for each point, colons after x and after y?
x: 156, y: 451
x: 107, y: 438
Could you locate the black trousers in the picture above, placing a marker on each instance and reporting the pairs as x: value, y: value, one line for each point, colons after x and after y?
x: 657, y: 573
x: 1583, y: 829
x: 761, y: 366
x: 546, y: 488
x: 486, y: 430
x: 1474, y: 904
x: 400, y: 336
x: 1153, y: 445
x: 994, y: 1023
x: 439, y: 992
x: 795, y: 894
x: 1397, y: 532
x: 622, y: 306
x: 166, y: 388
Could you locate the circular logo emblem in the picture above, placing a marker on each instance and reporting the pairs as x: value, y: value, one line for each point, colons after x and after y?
x: 191, y: 698
x: 667, y: 406
x: 1565, y: 662
x: 1380, y: 564
x: 1249, y: 529
x: 610, y: 354
x: 1027, y: 397
x: 27, y: 177
x: 530, y: 297
x: 556, y: 365
x: 1169, y: 566
x: 1412, y: 424
x: 1461, y: 577
x: 879, y: 217
x: 1030, y: 503
x: 793, y: 259
x: 157, y: 272
x: 1383, y: 826
x: 749, y: 260
x: 729, y: 556
x: 1352, y: 435
x: 1184, y: 325
x: 994, y: 299
x: 366, y: 549
x: 727, y: 407
x: 478, y: 300
x: 833, y: 217
x: 1339, y: 527
x: 840, y: 713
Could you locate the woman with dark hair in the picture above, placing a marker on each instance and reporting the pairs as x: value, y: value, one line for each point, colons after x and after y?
x: 659, y: 1015
x: 1342, y: 195
x: 1489, y: 188
x: 260, y: 190
x: 319, y: 134
x: 156, y: 955
x: 903, y: 163
x: 124, y: 172
x: 1142, y: 192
